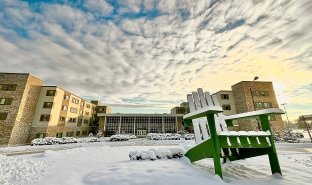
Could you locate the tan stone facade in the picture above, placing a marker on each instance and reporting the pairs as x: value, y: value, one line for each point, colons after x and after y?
x: 15, y: 128
x: 250, y: 96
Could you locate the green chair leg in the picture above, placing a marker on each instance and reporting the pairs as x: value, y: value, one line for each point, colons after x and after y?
x: 274, y: 163
x: 217, y: 149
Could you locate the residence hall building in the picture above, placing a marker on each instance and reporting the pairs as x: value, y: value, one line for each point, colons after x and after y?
x: 29, y: 110
x: 140, y: 124
x: 248, y: 96
x: 60, y: 113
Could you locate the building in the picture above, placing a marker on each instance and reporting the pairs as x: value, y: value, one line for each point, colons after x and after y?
x: 30, y: 110
x: 19, y: 93
x: 226, y: 101
x: 256, y: 95
x: 140, y: 124
x: 60, y: 113
x: 178, y: 110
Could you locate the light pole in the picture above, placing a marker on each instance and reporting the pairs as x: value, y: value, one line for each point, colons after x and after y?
x: 287, y: 125
x: 252, y: 99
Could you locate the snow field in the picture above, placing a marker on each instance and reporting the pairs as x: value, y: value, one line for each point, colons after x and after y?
x: 21, y: 171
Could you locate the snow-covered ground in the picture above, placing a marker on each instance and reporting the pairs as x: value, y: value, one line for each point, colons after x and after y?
x: 109, y: 163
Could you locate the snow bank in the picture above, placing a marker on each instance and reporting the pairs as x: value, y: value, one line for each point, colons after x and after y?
x: 167, y: 136
x: 21, y: 171
x: 154, y: 154
x: 63, y: 140
x: 121, y: 137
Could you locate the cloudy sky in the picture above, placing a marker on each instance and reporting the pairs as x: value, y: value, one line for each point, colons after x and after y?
x: 145, y: 55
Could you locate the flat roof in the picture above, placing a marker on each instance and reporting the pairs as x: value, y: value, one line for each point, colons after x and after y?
x: 222, y: 91
x: 139, y: 115
x: 309, y: 117
x: 29, y: 74
x: 253, y: 81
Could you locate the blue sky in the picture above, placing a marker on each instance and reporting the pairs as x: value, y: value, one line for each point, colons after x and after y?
x: 146, y: 55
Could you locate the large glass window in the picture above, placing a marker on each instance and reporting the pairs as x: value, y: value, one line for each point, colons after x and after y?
x: 76, y: 101
x: 127, y: 125
x: 112, y: 124
x: 155, y: 124
x: 170, y: 124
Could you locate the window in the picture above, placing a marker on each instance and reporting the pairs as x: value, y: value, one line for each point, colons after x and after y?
x: 76, y: 101
x: 50, y: 92
x: 85, y: 121
x: 47, y: 104
x: 88, y: 106
x: 272, y: 118
x: 79, y: 120
x: 69, y: 134
x: 81, y: 112
x: 59, y: 134
x: 263, y: 105
x: 45, y: 117
x: 6, y: 101
x: 225, y: 97
x: 260, y: 93
x: 226, y: 107
x: 82, y: 104
x: 73, y: 110
x: 66, y: 97
x: 64, y: 107
x: 72, y: 120
x: 78, y: 133
x: 62, y: 118
x: 87, y: 113
x: 3, y: 115
x: 8, y: 87
x: 40, y: 135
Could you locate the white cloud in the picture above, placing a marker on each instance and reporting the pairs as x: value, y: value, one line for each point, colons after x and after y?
x: 190, y: 44
x: 98, y: 7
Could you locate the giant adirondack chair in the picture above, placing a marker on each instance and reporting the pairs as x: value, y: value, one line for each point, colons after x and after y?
x: 213, y: 140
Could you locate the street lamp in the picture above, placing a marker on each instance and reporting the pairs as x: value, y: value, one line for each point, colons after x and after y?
x: 253, y: 103
x: 286, y: 114
x: 252, y: 99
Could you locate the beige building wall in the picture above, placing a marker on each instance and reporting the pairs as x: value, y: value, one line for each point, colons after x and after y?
x: 223, y: 101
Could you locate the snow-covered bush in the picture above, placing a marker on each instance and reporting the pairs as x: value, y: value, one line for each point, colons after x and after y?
x: 189, y: 136
x: 132, y: 137
x: 154, y: 154
x: 119, y: 137
x: 53, y: 141
x: 88, y: 140
x: 167, y: 136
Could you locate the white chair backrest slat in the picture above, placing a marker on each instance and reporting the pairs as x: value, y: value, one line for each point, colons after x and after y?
x: 215, y: 100
x: 202, y: 97
x: 222, y: 122
x: 196, y: 100
x: 197, y: 133
x: 209, y: 99
x: 191, y: 102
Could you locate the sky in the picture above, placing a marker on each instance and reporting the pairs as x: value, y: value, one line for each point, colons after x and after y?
x: 146, y: 55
